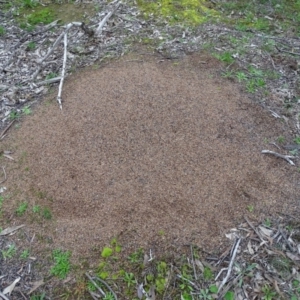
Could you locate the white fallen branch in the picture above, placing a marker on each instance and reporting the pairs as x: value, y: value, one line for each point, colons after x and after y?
x: 105, y: 19
x: 2, y: 296
x: 285, y: 157
x: 63, y: 71
x: 235, y: 248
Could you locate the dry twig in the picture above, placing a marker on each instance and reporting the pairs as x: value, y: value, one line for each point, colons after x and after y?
x: 285, y: 157
x: 234, y: 252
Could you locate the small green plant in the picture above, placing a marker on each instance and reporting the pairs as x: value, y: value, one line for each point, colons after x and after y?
x: 31, y: 46
x: 9, y: 253
x: 207, y: 273
x: 115, y: 244
x: 14, y: 115
x: 255, y: 72
x: 297, y: 140
x: 228, y: 74
x: 47, y: 213
x: 38, y: 297
x: 22, y: 208
x: 43, y: 16
x: 281, y: 139
x: 36, y: 209
x: 269, y: 294
x: 109, y: 296
x: 29, y: 3
x: 225, y: 57
x: 136, y: 256
x: 161, y: 232
x: 26, y: 110
x: 24, y: 254
x: 129, y: 279
x: 241, y: 76
x: 294, y: 152
x: 62, y: 263
x: 268, y: 222
x: 250, y: 208
x: 229, y: 295
x: 204, y: 294
x: 106, y: 252
x: 51, y: 75
x: 1, y: 202
x: 2, y: 30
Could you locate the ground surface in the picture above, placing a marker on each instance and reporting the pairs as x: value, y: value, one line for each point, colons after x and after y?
x: 144, y: 148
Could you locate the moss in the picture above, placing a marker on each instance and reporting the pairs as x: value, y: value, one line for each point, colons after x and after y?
x: 44, y: 16
x: 192, y: 12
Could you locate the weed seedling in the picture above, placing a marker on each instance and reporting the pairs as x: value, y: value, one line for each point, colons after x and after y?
x: 26, y: 110
x: 47, y: 213
x: 250, y: 208
x: 36, y: 209
x: 229, y: 295
x: 24, y: 254
x: 51, y: 75
x: 1, y: 202
x: 241, y: 76
x: 2, y: 30
x: 268, y: 293
x: 207, y: 273
x: 281, y: 139
x: 22, y: 208
x: 228, y: 74
x: 29, y: 3
x: 38, y: 297
x: 62, y: 263
x: 136, y: 256
x: 268, y: 222
x: 297, y: 140
x: 31, y: 46
x: 129, y: 279
x: 106, y: 252
x: 225, y: 57
x: 9, y: 253
x: 44, y: 16
x: 109, y: 296
x: 14, y: 115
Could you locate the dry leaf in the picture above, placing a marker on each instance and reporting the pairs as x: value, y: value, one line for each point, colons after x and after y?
x: 231, y: 236
x: 151, y: 294
x: 8, y: 156
x: 265, y: 231
x: 146, y: 259
x: 249, y: 246
x: 11, y: 287
x: 10, y: 229
x: 36, y: 285
x: 199, y: 264
x: 292, y: 256
x: 140, y: 291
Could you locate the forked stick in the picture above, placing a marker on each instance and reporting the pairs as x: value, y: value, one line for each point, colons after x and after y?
x: 285, y: 157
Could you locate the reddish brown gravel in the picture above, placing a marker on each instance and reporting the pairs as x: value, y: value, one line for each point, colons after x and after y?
x: 149, y: 149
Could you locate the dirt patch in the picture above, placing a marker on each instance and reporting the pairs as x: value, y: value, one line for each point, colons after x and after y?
x: 149, y: 150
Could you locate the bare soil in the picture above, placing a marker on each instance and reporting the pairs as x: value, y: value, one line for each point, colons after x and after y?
x: 148, y: 150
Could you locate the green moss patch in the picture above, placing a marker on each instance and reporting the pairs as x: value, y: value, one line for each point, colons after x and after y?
x: 192, y: 12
